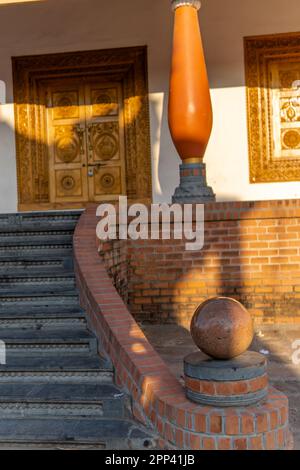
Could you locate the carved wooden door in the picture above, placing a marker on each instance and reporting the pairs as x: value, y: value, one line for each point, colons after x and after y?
x: 86, y: 141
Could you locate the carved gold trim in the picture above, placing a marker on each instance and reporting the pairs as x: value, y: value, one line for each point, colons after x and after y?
x: 260, y: 51
x: 29, y: 72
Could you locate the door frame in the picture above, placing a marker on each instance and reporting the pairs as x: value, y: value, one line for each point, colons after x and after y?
x: 29, y: 72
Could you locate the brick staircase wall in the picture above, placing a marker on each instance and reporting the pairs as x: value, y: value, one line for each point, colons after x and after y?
x: 115, y: 257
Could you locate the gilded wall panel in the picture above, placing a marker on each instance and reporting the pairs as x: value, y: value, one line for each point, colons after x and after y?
x: 272, y: 69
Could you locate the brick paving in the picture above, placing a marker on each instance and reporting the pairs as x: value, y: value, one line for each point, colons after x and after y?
x: 173, y: 342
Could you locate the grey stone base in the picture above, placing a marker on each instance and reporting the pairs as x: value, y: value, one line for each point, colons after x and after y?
x: 249, y: 365
x: 193, y: 188
x: 225, y: 401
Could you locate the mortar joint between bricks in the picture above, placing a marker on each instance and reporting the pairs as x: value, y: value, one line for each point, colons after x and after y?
x: 207, y: 422
x: 264, y: 440
x: 269, y: 421
x: 193, y: 421
x: 239, y: 415
x: 223, y: 422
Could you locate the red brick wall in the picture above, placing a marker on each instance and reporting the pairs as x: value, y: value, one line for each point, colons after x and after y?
x: 114, y: 255
x: 251, y: 253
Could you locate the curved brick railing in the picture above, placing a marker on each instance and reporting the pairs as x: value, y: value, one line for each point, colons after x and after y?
x: 158, y: 399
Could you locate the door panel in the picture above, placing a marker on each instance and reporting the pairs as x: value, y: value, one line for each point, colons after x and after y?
x: 106, y: 151
x: 86, y: 141
x: 65, y: 104
x: 104, y: 142
x: 67, y: 144
x: 106, y: 181
x: 103, y: 101
x: 67, y: 152
x: 69, y: 183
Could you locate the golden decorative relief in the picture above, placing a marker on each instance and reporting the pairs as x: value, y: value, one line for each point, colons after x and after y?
x: 290, y: 139
x: 272, y: 65
x: 108, y: 180
x: 32, y: 75
x: 67, y: 144
x: 68, y: 184
x: 290, y: 109
x: 104, y: 140
x: 105, y: 102
x: 65, y: 105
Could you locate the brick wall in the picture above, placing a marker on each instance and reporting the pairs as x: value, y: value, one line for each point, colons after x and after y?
x: 251, y: 253
x: 114, y: 254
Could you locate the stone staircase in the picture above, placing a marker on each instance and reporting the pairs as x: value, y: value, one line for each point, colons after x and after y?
x: 56, y: 391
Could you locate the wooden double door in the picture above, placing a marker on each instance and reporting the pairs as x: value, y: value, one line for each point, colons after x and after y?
x: 85, y: 132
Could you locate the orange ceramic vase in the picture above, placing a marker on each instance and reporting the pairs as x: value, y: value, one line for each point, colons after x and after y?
x: 190, y: 110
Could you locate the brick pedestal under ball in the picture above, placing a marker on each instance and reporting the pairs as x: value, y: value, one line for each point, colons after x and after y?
x: 260, y: 427
x: 243, y: 412
x: 241, y: 381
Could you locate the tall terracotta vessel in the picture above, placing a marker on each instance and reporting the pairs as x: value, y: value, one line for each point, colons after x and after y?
x: 190, y: 110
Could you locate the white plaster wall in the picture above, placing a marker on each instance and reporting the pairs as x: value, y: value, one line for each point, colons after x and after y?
x: 69, y: 25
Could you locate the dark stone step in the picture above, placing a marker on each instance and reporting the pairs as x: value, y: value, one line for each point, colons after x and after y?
x: 45, y: 305
x: 40, y: 312
x: 42, y: 322
x: 34, y: 303
x: 61, y: 400
x: 55, y: 369
x: 36, y: 238
x: 37, y: 221
x: 50, y: 268
x: 104, y: 433
x: 36, y: 252
x: 40, y: 278
x: 24, y: 287
x: 53, y: 276
x: 63, y: 334
x: 64, y: 341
